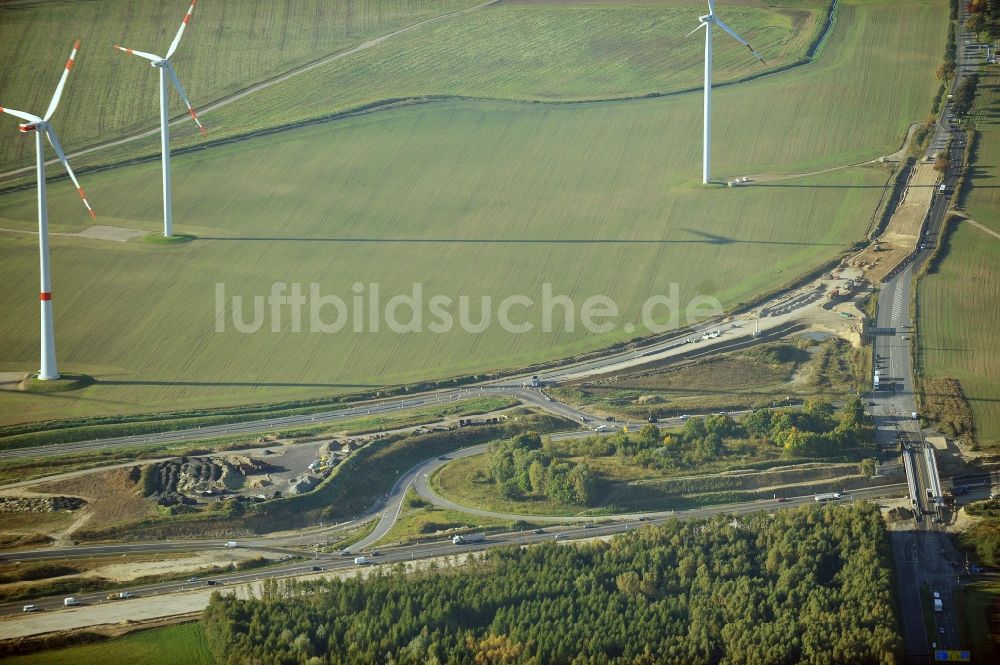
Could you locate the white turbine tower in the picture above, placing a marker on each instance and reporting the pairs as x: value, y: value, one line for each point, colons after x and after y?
x: 41, y: 126
x: 707, y: 22
x: 168, y: 69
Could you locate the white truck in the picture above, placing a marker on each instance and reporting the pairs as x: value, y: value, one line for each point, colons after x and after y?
x: 69, y: 602
x: 232, y: 543
x: 821, y: 498
x: 361, y: 561
x: 119, y: 595
x: 937, y: 605
x: 468, y: 538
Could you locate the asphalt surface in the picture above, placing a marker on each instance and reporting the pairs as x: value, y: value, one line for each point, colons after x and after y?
x: 923, y: 553
x: 682, y: 346
x: 594, y: 527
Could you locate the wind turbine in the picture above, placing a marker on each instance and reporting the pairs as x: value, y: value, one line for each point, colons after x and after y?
x: 167, y: 69
x: 41, y: 126
x: 707, y: 22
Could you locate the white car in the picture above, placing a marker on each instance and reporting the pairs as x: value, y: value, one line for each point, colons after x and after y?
x: 601, y: 428
x: 30, y: 608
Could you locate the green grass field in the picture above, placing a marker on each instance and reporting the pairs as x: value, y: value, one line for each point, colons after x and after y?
x: 753, y: 378
x: 983, y: 202
x: 959, y: 304
x: 183, y: 644
x: 958, y: 308
x: 228, y: 46
x: 508, y: 51
x: 476, y: 198
x: 626, y: 485
x: 979, y: 612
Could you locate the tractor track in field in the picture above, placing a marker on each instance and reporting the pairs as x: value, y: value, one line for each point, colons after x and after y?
x: 263, y: 85
x: 393, y: 102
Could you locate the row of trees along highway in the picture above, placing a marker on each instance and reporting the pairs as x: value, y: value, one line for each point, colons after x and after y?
x: 813, y: 584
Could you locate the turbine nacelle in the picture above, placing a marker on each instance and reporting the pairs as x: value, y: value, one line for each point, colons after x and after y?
x: 28, y: 127
x: 709, y: 21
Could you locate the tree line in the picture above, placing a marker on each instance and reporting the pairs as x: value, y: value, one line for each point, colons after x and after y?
x: 815, y: 430
x: 526, y: 466
x: 812, y: 584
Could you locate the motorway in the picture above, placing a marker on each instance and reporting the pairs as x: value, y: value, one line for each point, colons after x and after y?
x: 923, y: 553
x: 733, y: 335
x: 593, y: 527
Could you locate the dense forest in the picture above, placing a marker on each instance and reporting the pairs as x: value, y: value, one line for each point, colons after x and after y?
x: 811, y: 585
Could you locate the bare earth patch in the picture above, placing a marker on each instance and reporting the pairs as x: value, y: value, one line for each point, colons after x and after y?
x: 113, y: 233
x: 113, y: 495
x: 130, y: 569
x: 900, y: 238
x: 11, y: 380
x: 99, y: 232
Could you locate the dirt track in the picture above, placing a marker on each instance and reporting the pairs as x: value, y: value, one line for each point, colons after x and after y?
x: 225, y: 101
x: 902, y: 233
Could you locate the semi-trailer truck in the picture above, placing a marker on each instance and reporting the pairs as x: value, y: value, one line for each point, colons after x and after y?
x: 468, y: 538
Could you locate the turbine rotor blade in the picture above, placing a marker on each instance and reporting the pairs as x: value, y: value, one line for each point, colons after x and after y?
x: 700, y: 26
x: 20, y: 114
x: 180, y: 91
x: 62, y: 82
x: 142, y: 54
x: 732, y: 33
x: 54, y: 140
x: 711, y: 7
x: 177, y: 38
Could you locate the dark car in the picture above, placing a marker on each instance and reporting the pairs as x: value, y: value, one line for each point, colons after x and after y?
x: 538, y: 531
x: 610, y: 419
x: 210, y: 582
x: 316, y: 569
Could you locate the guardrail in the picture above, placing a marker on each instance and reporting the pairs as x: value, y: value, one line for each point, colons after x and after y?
x: 932, y: 473
x: 911, y: 479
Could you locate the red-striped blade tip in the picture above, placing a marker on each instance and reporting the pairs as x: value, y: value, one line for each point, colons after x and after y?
x: 76, y: 45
